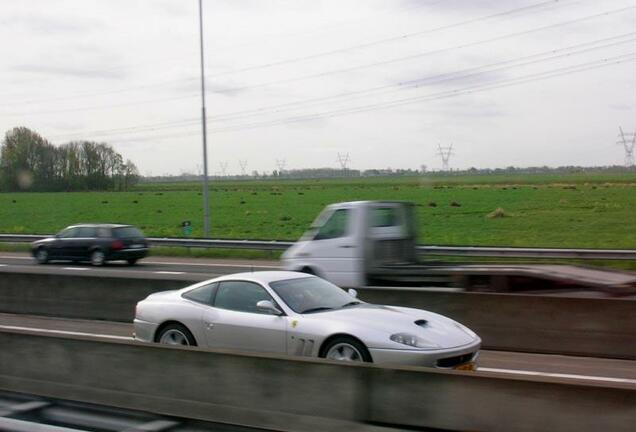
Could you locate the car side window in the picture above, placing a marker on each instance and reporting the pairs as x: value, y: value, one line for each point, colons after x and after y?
x: 335, y: 226
x: 103, y: 233
x: 204, y: 294
x: 85, y: 232
x: 68, y: 233
x: 385, y: 217
x: 240, y: 296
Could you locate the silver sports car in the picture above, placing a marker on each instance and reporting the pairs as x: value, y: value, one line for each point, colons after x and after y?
x: 298, y: 314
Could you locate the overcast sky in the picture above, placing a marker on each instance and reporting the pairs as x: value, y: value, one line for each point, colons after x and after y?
x: 517, y: 82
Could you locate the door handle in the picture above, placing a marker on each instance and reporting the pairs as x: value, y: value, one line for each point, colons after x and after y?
x: 347, y: 246
x: 209, y: 325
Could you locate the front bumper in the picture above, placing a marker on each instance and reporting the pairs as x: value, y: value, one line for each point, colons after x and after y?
x: 428, y: 358
x: 144, y: 330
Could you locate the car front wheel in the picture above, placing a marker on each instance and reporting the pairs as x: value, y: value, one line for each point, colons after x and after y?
x: 346, y: 349
x: 42, y: 255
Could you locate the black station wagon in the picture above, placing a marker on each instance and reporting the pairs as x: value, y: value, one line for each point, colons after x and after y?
x: 96, y: 243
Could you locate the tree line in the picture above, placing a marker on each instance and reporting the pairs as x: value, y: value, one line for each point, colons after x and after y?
x: 28, y: 162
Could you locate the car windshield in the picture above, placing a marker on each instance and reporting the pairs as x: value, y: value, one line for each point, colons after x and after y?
x: 127, y: 232
x: 311, y: 294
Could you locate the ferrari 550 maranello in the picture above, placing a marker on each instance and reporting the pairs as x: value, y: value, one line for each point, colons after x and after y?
x: 303, y: 315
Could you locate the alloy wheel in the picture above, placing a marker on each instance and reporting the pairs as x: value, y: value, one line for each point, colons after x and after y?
x: 174, y: 337
x: 97, y: 258
x: 344, y: 352
x: 42, y: 255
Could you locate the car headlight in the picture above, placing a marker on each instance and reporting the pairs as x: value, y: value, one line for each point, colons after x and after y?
x: 412, y: 340
x: 466, y: 330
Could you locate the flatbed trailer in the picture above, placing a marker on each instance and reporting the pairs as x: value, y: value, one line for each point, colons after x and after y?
x: 507, y: 278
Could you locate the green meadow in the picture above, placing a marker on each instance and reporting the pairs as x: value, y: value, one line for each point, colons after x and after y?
x: 570, y: 210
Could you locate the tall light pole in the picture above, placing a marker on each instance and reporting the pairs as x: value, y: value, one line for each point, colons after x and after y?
x: 206, y: 198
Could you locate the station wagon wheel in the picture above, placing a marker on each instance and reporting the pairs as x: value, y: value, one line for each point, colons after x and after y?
x: 42, y: 255
x: 98, y: 258
x: 176, y: 334
x: 346, y: 349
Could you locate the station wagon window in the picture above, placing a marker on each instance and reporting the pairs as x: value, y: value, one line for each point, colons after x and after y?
x: 127, y: 232
x: 68, y: 233
x: 203, y: 294
x: 84, y: 232
x: 103, y: 232
x: 240, y: 296
x: 335, y: 226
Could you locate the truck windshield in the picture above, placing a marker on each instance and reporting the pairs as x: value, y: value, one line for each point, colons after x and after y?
x: 311, y: 294
x: 333, y: 227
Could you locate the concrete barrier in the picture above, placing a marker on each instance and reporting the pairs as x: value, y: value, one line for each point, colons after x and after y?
x: 511, y: 322
x: 286, y: 394
x: 79, y: 296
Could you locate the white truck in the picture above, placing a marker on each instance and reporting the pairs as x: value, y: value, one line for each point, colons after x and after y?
x: 362, y: 243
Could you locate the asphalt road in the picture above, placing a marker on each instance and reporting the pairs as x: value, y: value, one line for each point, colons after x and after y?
x: 164, y: 267
x: 575, y: 369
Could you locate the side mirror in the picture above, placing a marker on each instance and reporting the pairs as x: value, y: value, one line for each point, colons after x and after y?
x: 268, y: 306
x: 353, y: 293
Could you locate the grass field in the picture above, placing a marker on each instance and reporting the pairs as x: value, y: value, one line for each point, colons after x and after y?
x: 577, y: 210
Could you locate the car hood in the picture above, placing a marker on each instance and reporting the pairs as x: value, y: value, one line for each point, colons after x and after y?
x: 43, y: 241
x: 436, y: 330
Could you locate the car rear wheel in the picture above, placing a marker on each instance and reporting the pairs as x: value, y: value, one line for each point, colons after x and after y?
x: 132, y: 261
x: 42, y: 255
x: 176, y: 334
x: 98, y: 257
x: 346, y: 349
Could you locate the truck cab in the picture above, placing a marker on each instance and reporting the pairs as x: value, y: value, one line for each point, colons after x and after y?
x: 348, y: 241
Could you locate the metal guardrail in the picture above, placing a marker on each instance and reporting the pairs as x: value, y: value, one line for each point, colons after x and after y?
x: 463, y: 251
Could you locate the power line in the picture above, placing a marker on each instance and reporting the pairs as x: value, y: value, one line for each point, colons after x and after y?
x: 331, y: 52
x: 421, y: 55
x: 441, y: 95
x: 390, y: 39
x: 385, y: 62
x: 460, y: 74
x: 216, y: 49
x: 605, y: 62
